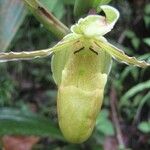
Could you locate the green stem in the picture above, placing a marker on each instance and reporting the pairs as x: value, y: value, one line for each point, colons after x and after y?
x: 47, y: 19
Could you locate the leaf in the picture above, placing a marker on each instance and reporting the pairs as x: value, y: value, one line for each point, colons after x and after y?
x: 134, y: 90
x: 100, y: 2
x: 147, y: 20
x: 143, y: 100
x: 15, y: 122
x: 19, y: 143
x: 147, y: 15
x: 130, y: 34
x: 55, y: 6
x: 46, y: 18
x: 135, y: 42
x: 12, y: 14
x: 69, y: 2
x: 147, y: 41
x: 127, y: 71
x: 103, y: 124
x: 147, y: 9
x: 144, y: 126
x: 120, y: 55
x: 134, y: 39
x: 81, y: 7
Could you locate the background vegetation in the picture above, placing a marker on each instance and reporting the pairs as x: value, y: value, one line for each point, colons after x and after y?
x: 27, y: 86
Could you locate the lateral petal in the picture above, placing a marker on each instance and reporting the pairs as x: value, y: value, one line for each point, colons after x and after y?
x: 120, y: 55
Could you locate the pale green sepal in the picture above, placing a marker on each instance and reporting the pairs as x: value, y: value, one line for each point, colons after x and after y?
x: 96, y: 25
x: 58, y: 62
x: 120, y: 55
x: 111, y: 13
x: 108, y: 63
x: 60, y: 58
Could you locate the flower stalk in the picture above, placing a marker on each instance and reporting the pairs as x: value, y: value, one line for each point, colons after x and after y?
x: 49, y: 21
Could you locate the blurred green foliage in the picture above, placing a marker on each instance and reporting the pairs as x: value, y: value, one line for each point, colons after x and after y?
x: 28, y: 85
x: 103, y: 124
x: 10, y: 10
x: 144, y: 127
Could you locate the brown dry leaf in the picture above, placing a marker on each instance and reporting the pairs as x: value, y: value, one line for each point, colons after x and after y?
x: 19, y: 142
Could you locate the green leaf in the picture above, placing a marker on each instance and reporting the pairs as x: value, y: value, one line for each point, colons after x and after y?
x: 68, y: 2
x: 147, y: 9
x: 144, y: 127
x: 15, y: 122
x: 134, y: 39
x: 55, y: 6
x: 12, y: 14
x: 103, y: 124
x: 135, y: 42
x: 130, y: 34
x: 142, y: 101
x: 46, y: 18
x: 134, y: 90
x: 100, y: 2
x: 147, y: 41
x: 147, y: 21
x: 81, y: 7
x: 147, y: 15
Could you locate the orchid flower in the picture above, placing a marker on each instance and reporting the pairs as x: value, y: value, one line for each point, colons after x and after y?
x: 81, y: 63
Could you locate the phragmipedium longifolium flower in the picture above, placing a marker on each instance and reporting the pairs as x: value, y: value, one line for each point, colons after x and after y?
x: 81, y: 63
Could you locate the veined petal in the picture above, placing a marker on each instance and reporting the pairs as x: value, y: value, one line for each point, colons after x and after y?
x: 27, y: 55
x: 96, y: 25
x: 120, y: 55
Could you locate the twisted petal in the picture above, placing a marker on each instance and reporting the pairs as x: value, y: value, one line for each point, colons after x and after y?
x: 96, y: 25
x: 27, y: 55
x: 120, y: 55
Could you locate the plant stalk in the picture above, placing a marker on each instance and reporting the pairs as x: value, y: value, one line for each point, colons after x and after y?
x: 47, y: 18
